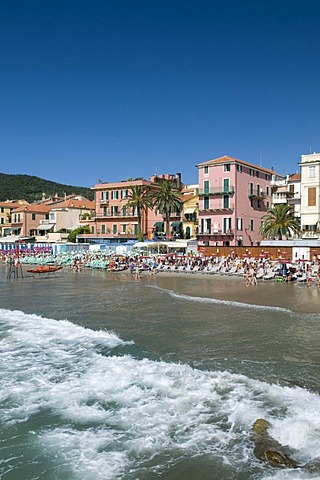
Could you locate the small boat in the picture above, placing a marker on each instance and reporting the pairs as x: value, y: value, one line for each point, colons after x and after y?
x: 45, y: 269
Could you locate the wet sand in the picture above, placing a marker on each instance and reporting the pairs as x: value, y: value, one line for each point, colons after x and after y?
x: 294, y: 296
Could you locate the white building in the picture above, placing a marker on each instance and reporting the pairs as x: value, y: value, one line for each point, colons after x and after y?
x: 310, y: 192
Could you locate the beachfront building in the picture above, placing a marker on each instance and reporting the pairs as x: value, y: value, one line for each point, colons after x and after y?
x: 113, y: 221
x: 233, y: 197
x: 190, y: 208
x: 26, y: 219
x: 64, y: 216
x: 287, y: 191
x: 6, y: 209
x: 310, y: 193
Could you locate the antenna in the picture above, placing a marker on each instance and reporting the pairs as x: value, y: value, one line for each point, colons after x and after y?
x: 260, y: 160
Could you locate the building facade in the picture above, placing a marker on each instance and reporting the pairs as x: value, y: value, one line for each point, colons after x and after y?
x: 114, y: 220
x: 233, y: 197
x: 310, y: 193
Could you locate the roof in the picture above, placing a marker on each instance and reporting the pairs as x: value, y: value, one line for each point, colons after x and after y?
x: 296, y: 177
x: 33, y: 208
x: 121, y: 184
x: 73, y: 203
x: 10, y: 204
x: 187, y: 197
x: 228, y: 159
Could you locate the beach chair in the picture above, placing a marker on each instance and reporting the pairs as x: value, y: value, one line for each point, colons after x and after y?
x: 269, y: 275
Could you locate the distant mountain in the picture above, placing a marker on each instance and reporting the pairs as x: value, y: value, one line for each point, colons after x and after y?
x: 30, y: 188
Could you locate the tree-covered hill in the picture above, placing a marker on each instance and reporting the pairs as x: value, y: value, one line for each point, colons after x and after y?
x: 31, y: 188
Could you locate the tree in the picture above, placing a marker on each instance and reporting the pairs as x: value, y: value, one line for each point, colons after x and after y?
x: 72, y: 237
x: 280, y: 221
x: 139, y: 199
x: 166, y: 199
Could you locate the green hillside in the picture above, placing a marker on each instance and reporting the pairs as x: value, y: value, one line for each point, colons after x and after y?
x: 31, y: 188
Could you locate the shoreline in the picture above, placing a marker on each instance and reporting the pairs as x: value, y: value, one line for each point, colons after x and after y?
x: 295, y: 297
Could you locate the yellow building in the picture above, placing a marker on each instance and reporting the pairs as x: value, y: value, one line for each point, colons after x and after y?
x: 190, y: 200
x: 6, y: 209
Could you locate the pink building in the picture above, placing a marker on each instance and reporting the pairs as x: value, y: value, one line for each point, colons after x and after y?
x: 233, y: 197
x: 113, y: 220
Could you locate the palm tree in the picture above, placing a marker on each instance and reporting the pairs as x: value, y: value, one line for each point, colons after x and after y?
x: 139, y: 199
x: 166, y: 199
x: 280, y: 221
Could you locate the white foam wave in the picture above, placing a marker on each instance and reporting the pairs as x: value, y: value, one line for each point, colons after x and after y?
x: 216, y: 301
x: 104, y: 416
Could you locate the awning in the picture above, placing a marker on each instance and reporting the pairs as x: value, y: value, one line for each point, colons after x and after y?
x: 44, y: 227
x: 175, y: 224
x: 159, y: 224
x: 190, y: 210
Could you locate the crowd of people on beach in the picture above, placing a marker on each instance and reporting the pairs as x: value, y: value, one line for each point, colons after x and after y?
x: 251, y: 269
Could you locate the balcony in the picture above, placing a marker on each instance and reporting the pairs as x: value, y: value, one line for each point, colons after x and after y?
x: 103, y: 201
x: 221, y: 210
x: 213, y: 231
x: 255, y: 193
x: 217, y: 191
x: 47, y: 222
x: 115, y: 215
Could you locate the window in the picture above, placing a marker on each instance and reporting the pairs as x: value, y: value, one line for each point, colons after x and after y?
x: 33, y: 216
x: 124, y: 211
x: 226, y: 224
x: 258, y: 190
x: 267, y: 190
x: 136, y: 229
x: 124, y: 228
x: 251, y: 188
x: 105, y: 211
x: 251, y: 172
x: 257, y: 174
x: 239, y: 224
x: 103, y: 228
x: 92, y: 229
x: 312, y: 197
x: 2, y: 220
x: 206, y: 170
x: 104, y: 195
x: 114, y: 229
x: 52, y: 217
x: 115, y: 194
x: 2, y: 209
x: 227, y: 167
x: 114, y: 210
x: 251, y: 225
x: 226, y: 202
x: 239, y: 168
x: 312, y: 171
x: 124, y: 193
x: 206, y: 187
x: 206, y: 203
x: 226, y: 185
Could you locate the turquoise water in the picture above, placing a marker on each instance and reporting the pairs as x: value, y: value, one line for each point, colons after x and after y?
x: 106, y: 377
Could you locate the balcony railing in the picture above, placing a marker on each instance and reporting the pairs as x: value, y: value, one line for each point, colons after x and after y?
x: 256, y: 194
x: 114, y: 215
x: 103, y: 201
x: 214, y: 231
x: 222, y: 190
x: 47, y: 222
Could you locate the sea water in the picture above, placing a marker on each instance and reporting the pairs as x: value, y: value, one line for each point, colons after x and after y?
x: 106, y: 377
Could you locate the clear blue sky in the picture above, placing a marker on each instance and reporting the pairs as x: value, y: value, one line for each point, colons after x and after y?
x: 116, y: 88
